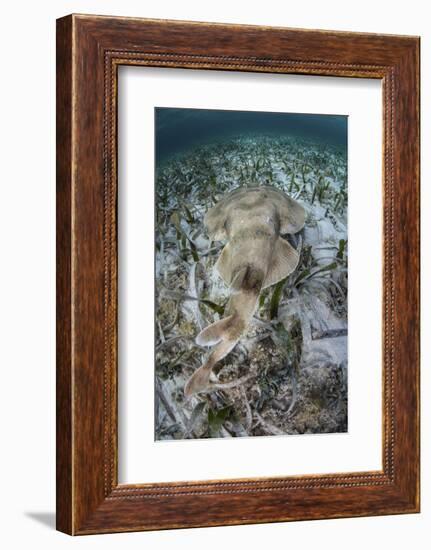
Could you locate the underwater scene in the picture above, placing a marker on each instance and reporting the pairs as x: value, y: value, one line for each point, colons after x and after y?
x: 251, y: 260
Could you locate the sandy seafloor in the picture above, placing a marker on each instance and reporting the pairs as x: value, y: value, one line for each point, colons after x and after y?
x: 288, y: 373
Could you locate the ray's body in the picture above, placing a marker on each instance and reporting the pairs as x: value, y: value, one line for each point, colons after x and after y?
x: 255, y: 257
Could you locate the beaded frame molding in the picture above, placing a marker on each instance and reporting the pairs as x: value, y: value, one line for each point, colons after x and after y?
x: 89, y: 51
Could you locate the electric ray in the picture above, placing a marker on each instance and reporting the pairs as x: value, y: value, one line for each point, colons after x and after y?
x: 251, y: 219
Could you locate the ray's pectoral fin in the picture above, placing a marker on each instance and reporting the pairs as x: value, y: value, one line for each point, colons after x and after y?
x: 292, y: 215
x: 215, y: 222
x: 223, y: 264
x: 283, y: 262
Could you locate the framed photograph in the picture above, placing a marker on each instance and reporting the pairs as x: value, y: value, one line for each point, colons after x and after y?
x: 237, y: 274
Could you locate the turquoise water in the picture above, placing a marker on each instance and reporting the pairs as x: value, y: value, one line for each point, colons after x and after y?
x: 178, y: 130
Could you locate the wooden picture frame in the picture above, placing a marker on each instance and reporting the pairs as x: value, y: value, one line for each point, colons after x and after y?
x: 89, y: 52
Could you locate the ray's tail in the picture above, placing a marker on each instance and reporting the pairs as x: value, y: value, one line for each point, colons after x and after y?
x: 224, y: 334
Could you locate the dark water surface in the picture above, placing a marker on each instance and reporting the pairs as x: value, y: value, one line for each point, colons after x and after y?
x: 178, y: 130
